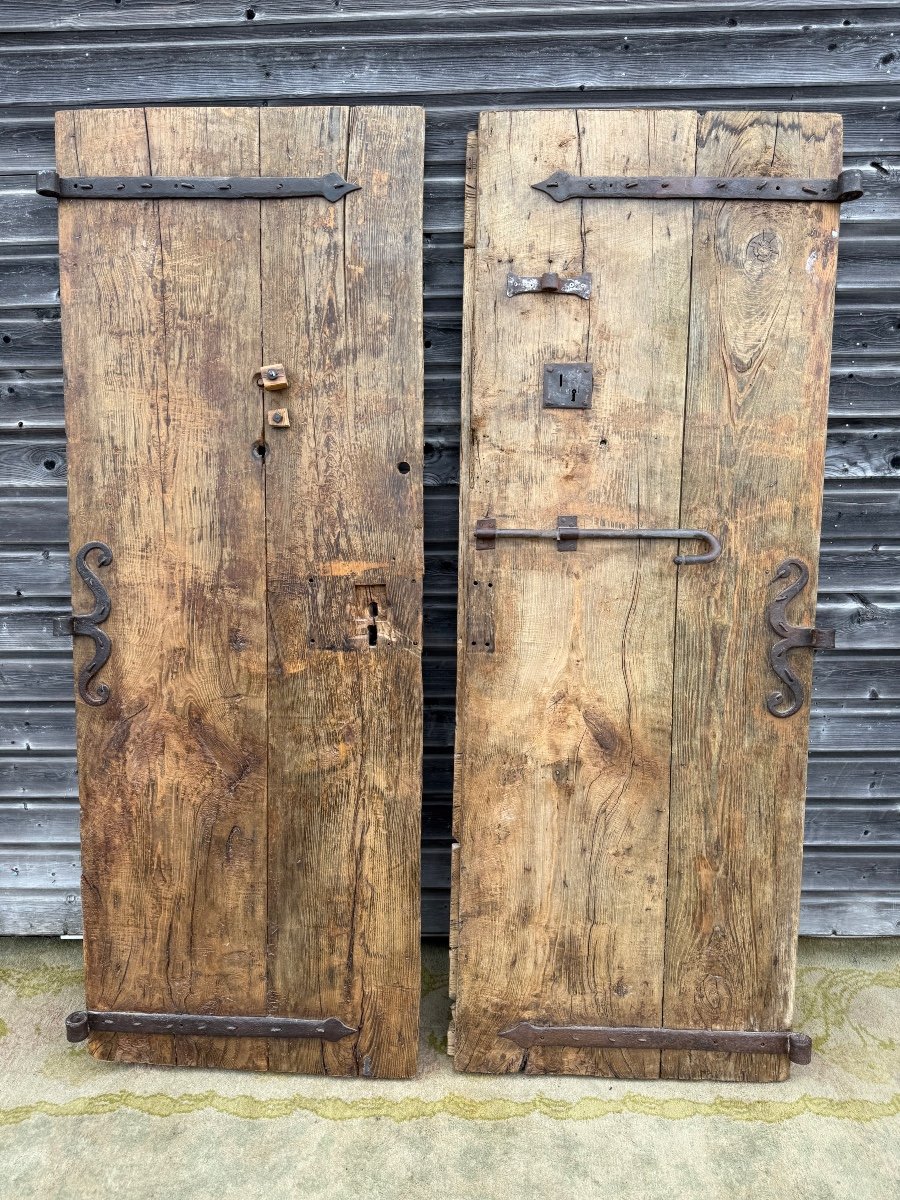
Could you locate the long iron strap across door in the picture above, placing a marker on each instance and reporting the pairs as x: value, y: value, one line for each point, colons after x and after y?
x: 244, y: 410
x: 631, y: 736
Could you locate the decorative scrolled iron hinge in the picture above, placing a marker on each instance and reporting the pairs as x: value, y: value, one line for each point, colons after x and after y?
x: 784, y: 703
x: 331, y: 187
x: 87, y: 624
x: 562, y: 186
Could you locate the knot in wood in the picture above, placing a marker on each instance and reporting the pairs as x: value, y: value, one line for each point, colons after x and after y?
x: 764, y: 248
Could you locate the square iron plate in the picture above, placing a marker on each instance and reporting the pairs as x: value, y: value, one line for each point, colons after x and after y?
x: 568, y: 385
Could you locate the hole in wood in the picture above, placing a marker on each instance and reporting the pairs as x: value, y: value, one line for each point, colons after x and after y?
x: 370, y: 613
x: 403, y: 468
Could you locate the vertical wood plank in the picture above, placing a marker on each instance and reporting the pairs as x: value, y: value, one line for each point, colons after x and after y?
x: 342, y: 310
x: 469, y: 224
x: 161, y: 331
x: 761, y: 317
x: 565, y: 697
x: 505, y: 865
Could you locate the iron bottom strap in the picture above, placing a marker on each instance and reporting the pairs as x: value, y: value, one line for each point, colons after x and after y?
x: 80, y: 1024
x: 159, y: 187
x: 797, y: 1046
x: 563, y: 186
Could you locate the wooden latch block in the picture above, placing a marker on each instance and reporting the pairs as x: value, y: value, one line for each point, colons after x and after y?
x: 272, y: 377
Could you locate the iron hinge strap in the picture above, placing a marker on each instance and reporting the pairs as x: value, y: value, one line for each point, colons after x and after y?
x: 567, y: 534
x: 797, y: 1046
x: 563, y: 186
x: 80, y: 1024
x: 158, y: 187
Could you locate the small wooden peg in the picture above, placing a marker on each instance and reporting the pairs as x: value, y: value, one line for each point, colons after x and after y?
x: 272, y: 377
x: 279, y: 418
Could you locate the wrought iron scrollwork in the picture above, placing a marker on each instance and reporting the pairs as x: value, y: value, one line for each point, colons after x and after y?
x: 784, y: 703
x: 87, y: 624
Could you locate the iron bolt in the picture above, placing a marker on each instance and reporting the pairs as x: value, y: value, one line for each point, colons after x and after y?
x: 271, y: 373
x: 277, y: 418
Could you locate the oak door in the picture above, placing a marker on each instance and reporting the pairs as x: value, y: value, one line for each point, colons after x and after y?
x: 250, y: 779
x: 630, y: 767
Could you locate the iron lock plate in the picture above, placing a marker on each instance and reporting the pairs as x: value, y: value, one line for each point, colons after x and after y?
x: 568, y: 385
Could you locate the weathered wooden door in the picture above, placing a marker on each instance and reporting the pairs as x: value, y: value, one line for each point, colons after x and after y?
x: 630, y: 767
x: 249, y: 755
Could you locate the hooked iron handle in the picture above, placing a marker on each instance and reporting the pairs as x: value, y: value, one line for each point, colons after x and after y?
x: 567, y: 535
x: 784, y: 703
x: 87, y: 624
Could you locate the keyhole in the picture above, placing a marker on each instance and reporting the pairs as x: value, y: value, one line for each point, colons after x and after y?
x: 373, y: 628
x: 574, y: 394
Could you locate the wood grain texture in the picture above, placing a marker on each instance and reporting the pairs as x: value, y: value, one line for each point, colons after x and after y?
x: 761, y: 313
x: 173, y: 768
x: 342, y: 309
x: 465, y: 534
x: 578, y: 706
x: 566, y: 687
x: 251, y: 791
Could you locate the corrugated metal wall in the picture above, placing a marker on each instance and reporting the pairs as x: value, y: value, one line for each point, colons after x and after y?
x: 456, y: 57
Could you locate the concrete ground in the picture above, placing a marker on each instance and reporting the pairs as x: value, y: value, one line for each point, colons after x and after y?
x: 73, y: 1128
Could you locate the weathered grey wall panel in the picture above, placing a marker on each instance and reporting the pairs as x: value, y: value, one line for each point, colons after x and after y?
x: 457, y: 57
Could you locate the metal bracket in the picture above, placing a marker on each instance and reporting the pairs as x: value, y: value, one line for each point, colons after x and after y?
x: 797, y: 1046
x: 575, y: 285
x: 791, y: 637
x: 567, y: 534
x: 80, y: 1024
x: 568, y: 385
x: 86, y: 624
x: 562, y: 186
x: 158, y: 187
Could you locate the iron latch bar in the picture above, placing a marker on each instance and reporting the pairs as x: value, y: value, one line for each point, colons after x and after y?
x: 797, y: 1046
x: 80, y: 1024
x: 158, y: 187
x: 567, y: 534
x: 550, y: 281
x: 563, y: 186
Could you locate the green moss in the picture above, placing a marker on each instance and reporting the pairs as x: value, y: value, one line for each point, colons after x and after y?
x: 43, y: 980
